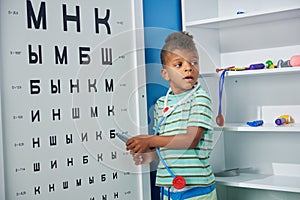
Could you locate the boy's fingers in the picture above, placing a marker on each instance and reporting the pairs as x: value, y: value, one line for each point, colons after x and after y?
x: 138, y: 158
x: 130, y: 145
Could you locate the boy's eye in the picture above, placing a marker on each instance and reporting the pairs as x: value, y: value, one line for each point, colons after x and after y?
x: 178, y: 65
x: 194, y: 63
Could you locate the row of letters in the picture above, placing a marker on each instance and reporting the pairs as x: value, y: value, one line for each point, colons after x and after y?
x: 56, y: 114
x: 69, y: 162
x: 40, y: 19
x: 77, y: 183
x: 84, y: 137
x: 74, y: 86
x: 61, y: 58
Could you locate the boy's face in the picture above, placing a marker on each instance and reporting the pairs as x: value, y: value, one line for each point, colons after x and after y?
x: 181, y: 69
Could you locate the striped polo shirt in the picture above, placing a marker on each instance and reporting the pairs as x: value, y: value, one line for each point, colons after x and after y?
x: 192, y: 164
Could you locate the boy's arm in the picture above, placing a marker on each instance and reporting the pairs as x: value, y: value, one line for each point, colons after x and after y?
x: 189, y: 140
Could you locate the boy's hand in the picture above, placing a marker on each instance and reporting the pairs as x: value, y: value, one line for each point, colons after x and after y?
x: 139, y: 144
x: 144, y: 158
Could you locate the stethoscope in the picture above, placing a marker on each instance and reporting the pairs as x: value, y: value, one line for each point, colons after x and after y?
x: 220, y: 118
x: 178, y: 181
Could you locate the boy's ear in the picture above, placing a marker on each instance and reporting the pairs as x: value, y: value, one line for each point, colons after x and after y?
x: 164, y: 74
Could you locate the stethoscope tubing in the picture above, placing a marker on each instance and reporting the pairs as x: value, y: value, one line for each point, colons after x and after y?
x: 157, y: 149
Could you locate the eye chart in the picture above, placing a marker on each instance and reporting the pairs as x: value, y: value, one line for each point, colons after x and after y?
x: 72, y: 76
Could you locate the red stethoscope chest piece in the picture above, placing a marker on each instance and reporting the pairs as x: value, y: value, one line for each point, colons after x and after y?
x: 165, y: 109
x: 178, y: 182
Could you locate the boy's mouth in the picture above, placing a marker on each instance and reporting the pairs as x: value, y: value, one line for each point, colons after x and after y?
x: 188, y: 78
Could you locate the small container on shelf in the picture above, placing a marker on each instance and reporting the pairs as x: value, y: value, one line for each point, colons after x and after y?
x: 284, y: 119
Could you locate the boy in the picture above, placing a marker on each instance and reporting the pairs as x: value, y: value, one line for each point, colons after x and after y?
x: 184, y: 133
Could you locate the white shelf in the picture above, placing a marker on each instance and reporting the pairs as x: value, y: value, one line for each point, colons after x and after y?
x: 246, y: 19
x: 260, y: 72
x: 268, y: 127
x: 264, y: 71
x: 264, y: 182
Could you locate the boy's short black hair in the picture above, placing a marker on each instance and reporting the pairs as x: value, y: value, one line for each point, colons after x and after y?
x: 177, y: 40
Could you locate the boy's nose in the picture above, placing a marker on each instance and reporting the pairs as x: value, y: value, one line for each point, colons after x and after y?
x: 188, y: 67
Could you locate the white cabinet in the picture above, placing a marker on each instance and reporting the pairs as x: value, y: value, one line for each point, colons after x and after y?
x: 267, y: 30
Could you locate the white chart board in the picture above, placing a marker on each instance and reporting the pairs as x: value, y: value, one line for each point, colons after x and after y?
x: 72, y: 76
